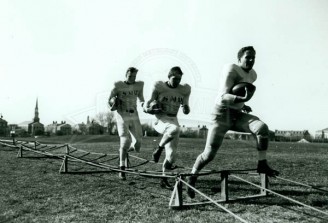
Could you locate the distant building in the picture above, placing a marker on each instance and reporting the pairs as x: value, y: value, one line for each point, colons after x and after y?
x: 36, y: 127
x: 291, y: 135
x: 321, y: 134
x: 24, y: 125
x: 3, y: 126
x: 61, y: 128
x: 194, y: 132
x: 18, y: 130
x: 94, y: 128
x: 91, y: 128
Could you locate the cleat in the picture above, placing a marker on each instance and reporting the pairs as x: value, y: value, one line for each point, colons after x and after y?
x: 169, y: 166
x: 263, y: 167
x: 157, y: 153
x: 131, y: 149
x: 121, y: 175
x: 165, y: 184
x: 173, y: 167
x: 192, y: 182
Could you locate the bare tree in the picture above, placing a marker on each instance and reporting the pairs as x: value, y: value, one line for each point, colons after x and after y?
x: 106, y: 119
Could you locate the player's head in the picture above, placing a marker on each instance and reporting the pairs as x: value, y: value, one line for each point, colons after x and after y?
x: 131, y: 75
x: 175, y: 76
x: 246, y: 57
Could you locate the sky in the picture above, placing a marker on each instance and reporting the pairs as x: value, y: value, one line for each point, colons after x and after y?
x: 68, y: 53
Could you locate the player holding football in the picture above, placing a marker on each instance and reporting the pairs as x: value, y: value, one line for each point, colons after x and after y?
x: 166, y: 99
x: 230, y: 113
x: 123, y: 99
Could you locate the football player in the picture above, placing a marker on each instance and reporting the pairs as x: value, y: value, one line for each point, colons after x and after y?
x: 123, y: 99
x: 231, y: 113
x: 166, y: 99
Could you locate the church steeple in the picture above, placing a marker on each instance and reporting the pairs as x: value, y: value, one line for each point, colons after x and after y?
x: 36, y: 112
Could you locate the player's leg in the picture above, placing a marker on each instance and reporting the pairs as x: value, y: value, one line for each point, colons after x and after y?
x: 125, y: 141
x: 260, y: 131
x: 169, y: 128
x: 136, y: 135
x: 221, y: 123
x: 170, y: 158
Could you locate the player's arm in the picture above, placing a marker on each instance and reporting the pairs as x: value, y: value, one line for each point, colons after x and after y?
x: 112, y: 96
x: 230, y: 78
x: 141, y: 96
x: 113, y: 101
x: 154, y: 96
x: 185, y: 103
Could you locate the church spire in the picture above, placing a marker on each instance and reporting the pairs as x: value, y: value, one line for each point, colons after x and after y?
x: 36, y: 112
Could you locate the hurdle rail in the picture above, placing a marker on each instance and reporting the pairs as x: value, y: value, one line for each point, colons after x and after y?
x: 176, y: 201
x: 10, y: 143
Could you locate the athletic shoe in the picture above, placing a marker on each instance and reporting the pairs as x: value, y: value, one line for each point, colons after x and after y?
x: 263, y: 167
x: 157, y: 153
x: 131, y: 149
x: 165, y: 184
x: 121, y: 175
x: 192, y: 182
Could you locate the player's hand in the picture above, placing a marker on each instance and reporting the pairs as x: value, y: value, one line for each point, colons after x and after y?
x: 185, y: 109
x: 113, y: 103
x: 248, y: 95
x: 249, y: 92
x: 247, y: 109
x: 153, y: 108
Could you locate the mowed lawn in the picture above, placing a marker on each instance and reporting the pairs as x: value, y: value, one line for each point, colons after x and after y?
x: 33, y: 190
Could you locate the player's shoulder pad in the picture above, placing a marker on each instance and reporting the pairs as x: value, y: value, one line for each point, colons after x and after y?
x: 118, y: 84
x: 230, y: 67
x: 186, y: 88
x: 159, y: 85
x: 140, y: 83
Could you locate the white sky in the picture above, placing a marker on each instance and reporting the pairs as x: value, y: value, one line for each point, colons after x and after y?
x: 68, y: 54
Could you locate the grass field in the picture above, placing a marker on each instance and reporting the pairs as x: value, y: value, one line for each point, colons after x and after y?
x: 32, y: 189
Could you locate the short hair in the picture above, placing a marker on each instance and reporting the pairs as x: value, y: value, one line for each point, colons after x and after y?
x: 243, y: 50
x: 132, y: 70
x: 175, y: 70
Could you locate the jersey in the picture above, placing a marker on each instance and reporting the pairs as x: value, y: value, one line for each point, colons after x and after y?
x: 171, y: 99
x: 231, y: 75
x: 128, y: 94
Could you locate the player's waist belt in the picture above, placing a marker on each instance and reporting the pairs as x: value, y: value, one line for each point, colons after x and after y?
x: 171, y: 115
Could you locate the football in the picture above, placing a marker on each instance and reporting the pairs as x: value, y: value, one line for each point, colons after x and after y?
x: 113, y: 103
x: 155, y: 107
x: 239, y: 88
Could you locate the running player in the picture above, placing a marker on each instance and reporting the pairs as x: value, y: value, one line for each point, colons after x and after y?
x: 170, y: 96
x: 123, y: 99
x: 230, y: 113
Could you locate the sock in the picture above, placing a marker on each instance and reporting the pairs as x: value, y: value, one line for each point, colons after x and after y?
x: 262, y: 154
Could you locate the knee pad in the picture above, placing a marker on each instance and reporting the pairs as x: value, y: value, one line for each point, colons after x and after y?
x: 262, y: 135
x: 262, y: 129
x: 173, y: 131
x: 125, y: 142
